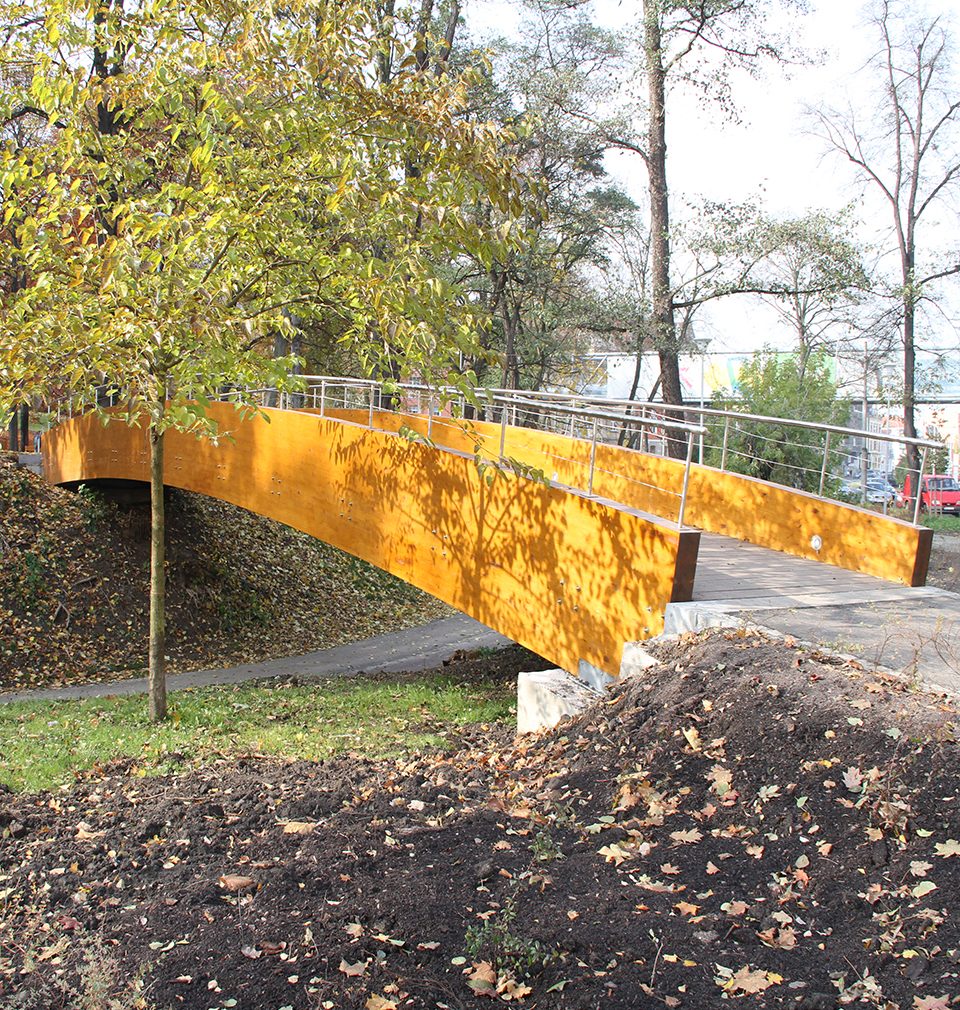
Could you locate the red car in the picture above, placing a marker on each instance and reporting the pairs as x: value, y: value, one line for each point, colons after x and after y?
x: 940, y: 493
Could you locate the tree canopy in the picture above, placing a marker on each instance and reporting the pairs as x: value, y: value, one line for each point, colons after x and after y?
x: 206, y: 173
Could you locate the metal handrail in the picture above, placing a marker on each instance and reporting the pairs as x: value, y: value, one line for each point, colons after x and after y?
x: 694, y: 429
x: 693, y: 408
x: 652, y: 416
x: 324, y: 385
x: 513, y: 404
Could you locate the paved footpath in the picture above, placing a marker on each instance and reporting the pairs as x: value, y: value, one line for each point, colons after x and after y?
x: 915, y: 632
x: 912, y: 632
x: 419, y: 648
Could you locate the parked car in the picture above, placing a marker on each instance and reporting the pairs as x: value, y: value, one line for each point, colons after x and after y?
x: 939, y: 493
x: 880, y: 492
x: 875, y: 492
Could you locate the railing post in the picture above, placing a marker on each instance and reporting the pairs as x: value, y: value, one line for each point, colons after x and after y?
x: 823, y: 467
x: 723, y: 452
x: 430, y: 417
x: 918, y: 490
x: 323, y: 397
x: 686, y: 480
x: 503, y: 429
x: 371, y: 408
x: 593, y: 456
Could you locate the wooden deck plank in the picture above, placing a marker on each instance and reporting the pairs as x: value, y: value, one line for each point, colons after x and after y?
x: 729, y: 569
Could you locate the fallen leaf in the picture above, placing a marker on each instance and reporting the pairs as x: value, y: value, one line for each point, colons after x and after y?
x: 234, y: 882
x: 853, y: 779
x: 689, y: 837
x: 692, y: 736
x: 353, y: 970
x: 931, y: 1003
x: 722, y: 779
x: 614, y: 854
x: 951, y: 847
x: 376, y: 1002
x: 353, y: 929
x: 734, y: 907
x: 510, y: 988
x: 299, y: 827
x: 781, y: 939
x: 251, y: 952
x: 482, y: 979
x: 748, y: 980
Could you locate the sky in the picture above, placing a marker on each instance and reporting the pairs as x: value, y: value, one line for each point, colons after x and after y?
x: 770, y: 154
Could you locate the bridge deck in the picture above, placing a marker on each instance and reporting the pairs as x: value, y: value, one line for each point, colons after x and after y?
x: 731, y: 570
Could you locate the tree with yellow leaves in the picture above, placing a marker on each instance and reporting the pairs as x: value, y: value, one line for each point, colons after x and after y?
x: 211, y: 169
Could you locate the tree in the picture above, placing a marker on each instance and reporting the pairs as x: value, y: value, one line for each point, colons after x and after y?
x: 698, y: 44
x: 539, y: 295
x: 774, y: 385
x: 809, y: 269
x: 213, y: 169
x: 908, y: 153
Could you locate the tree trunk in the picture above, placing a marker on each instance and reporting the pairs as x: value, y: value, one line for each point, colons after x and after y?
x: 909, y: 390
x: 156, y: 678
x: 511, y: 366
x: 662, y: 318
x: 624, y: 435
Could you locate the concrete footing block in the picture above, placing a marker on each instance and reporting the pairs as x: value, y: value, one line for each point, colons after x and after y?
x: 635, y: 659
x: 544, y: 697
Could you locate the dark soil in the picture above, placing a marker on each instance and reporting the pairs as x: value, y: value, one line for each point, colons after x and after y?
x: 746, y: 821
x: 74, y: 575
x: 945, y: 561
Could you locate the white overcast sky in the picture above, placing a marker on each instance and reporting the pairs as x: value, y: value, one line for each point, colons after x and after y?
x: 771, y: 153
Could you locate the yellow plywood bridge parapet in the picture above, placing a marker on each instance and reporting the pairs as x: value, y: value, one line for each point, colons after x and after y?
x: 732, y: 504
x: 569, y: 576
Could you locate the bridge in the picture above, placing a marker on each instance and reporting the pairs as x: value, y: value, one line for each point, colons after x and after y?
x: 558, y: 521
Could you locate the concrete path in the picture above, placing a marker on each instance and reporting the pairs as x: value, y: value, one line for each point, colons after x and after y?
x: 913, y: 632
x: 419, y: 648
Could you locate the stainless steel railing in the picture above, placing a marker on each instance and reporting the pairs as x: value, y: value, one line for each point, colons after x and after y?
x: 728, y: 440
x: 830, y: 444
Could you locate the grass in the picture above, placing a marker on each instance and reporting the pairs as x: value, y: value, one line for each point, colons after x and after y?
x: 46, y: 744
x: 941, y: 524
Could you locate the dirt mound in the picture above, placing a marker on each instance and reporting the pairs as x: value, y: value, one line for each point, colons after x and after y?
x: 74, y: 574
x: 744, y: 822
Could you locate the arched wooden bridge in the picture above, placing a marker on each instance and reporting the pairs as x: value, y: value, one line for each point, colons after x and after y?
x: 571, y: 574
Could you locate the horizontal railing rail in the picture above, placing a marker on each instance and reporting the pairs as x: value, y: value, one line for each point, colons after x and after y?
x: 813, y: 459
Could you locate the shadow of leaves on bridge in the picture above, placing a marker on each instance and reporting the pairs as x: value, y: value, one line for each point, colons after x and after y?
x: 569, y: 576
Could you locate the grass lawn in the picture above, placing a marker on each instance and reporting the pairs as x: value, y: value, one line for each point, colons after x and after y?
x: 46, y: 744
x: 941, y: 524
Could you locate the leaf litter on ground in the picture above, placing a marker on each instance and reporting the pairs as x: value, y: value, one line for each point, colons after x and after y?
x: 595, y: 864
